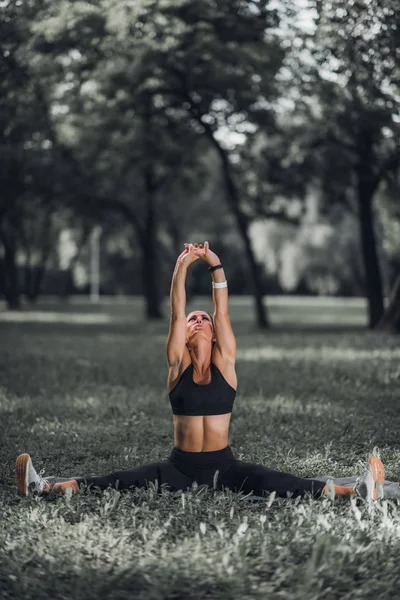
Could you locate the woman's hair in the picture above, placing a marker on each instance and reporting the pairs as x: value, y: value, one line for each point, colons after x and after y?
x: 213, y: 328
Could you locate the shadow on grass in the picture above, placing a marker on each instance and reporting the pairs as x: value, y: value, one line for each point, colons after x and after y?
x: 156, y: 581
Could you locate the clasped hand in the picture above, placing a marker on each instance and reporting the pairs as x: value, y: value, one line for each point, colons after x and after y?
x: 193, y: 252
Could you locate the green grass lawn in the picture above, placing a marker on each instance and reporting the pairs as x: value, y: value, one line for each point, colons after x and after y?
x: 83, y: 390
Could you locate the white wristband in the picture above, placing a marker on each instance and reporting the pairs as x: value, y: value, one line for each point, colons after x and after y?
x: 219, y: 285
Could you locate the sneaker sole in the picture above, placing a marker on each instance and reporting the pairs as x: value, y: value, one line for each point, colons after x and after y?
x: 20, y: 473
x: 378, y: 473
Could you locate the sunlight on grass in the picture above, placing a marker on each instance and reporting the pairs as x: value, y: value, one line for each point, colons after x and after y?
x: 300, y: 302
x: 56, y: 317
x: 290, y: 405
x: 324, y: 353
x: 84, y: 402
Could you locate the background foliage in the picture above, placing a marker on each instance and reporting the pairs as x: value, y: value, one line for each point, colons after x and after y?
x: 165, y: 121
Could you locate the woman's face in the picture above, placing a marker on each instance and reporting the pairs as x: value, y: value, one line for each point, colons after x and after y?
x: 199, y: 324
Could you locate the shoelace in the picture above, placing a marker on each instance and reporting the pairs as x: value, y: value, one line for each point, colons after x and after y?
x: 42, y: 479
x: 356, y: 487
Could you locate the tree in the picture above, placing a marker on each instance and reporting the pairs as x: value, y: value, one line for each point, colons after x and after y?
x: 390, y: 215
x: 34, y: 174
x: 122, y: 146
x: 153, y: 77
x: 222, y: 73
x: 390, y: 320
x: 30, y: 176
x: 354, y: 83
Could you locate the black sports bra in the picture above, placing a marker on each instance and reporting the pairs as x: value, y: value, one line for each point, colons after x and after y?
x: 193, y: 399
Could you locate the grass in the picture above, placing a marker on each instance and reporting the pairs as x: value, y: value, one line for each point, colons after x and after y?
x: 84, y: 392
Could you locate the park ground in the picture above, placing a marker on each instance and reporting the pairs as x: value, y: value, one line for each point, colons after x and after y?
x: 83, y: 390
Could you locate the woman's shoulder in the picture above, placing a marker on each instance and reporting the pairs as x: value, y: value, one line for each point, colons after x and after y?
x: 225, y: 367
x: 176, y: 372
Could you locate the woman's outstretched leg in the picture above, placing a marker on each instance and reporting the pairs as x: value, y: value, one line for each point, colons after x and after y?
x: 31, y: 482
x: 257, y: 479
x: 162, y: 471
x: 252, y: 478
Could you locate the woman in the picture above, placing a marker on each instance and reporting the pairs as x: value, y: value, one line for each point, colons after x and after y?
x: 202, y: 387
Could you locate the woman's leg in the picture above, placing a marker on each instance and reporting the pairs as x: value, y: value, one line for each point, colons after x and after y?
x: 257, y: 479
x: 30, y: 482
x: 391, y: 489
x: 163, y: 472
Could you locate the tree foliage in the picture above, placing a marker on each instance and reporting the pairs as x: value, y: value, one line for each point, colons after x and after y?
x: 350, y: 83
x: 152, y: 109
x: 156, y: 78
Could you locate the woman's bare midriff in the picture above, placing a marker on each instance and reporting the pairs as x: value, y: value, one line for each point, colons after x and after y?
x: 201, y: 434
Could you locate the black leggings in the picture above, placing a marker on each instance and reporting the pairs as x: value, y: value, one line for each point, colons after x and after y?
x: 181, y: 469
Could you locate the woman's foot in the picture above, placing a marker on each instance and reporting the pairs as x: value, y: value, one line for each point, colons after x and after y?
x: 28, y: 480
x: 370, y: 487
x: 333, y: 491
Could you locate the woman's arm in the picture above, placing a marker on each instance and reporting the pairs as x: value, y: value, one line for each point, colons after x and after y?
x: 225, y: 338
x: 176, y: 342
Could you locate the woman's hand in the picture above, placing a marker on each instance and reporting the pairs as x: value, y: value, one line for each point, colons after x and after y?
x: 188, y: 256
x: 204, y: 252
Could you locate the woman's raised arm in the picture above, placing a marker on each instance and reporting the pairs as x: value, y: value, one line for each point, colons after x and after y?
x: 225, y: 338
x: 176, y: 342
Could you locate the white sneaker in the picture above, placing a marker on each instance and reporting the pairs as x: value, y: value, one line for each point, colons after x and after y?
x: 370, y: 487
x: 329, y: 489
x: 28, y: 481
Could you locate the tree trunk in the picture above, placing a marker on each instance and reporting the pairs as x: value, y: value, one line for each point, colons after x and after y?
x: 11, y: 281
x: 241, y: 220
x: 150, y: 283
x: 242, y: 224
x: 391, y: 317
x: 373, y: 276
x: 2, y: 278
x: 174, y: 231
x: 27, y: 276
x: 37, y: 276
x: 147, y: 238
x: 149, y: 253
x: 67, y: 283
